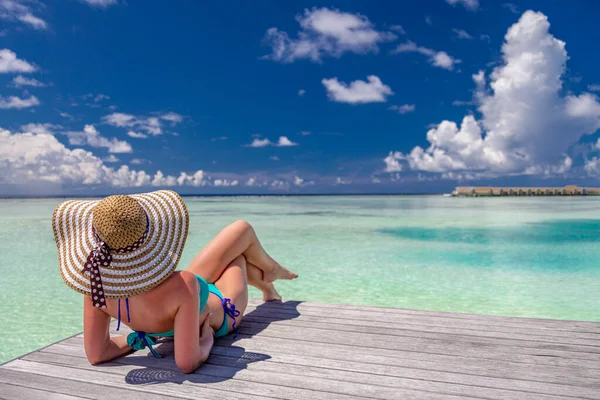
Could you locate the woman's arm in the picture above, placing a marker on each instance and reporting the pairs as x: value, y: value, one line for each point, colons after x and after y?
x: 99, y: 346
x: 188, y: 354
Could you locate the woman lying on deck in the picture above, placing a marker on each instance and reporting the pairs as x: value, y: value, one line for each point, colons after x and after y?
x: 127, y: 248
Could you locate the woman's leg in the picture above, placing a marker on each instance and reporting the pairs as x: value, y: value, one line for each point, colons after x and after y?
x: 255, y: 279
x: 233, y: 284
x: 235, y: 240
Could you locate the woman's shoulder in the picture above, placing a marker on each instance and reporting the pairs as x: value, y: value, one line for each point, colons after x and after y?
x: 185, y: 283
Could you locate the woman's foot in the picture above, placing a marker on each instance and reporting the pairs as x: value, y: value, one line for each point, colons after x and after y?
x: 278, y: 272
x: 271, y: 294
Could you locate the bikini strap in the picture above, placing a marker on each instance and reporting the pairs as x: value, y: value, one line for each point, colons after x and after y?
x: 230, y: 310
x: 141, y: 340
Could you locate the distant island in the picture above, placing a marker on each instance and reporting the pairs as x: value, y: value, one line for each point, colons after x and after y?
x: 488, y: 191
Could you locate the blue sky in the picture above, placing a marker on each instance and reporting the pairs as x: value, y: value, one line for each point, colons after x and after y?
x: 104, y: 96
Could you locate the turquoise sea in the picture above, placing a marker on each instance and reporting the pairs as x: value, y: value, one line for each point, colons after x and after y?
x: 535, y: 257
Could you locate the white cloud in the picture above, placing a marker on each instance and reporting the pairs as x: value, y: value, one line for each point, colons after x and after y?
x: 260, y: 143
x: 301, y: 92
x: 462, y: 34
x: 20, y: 80
x: 216, y: 139
x: 251, y: 181
x: 30, y: 158
x: 110, y: 159
x: 33, y: 21
x: 10, y: 63
x: 40, y: 129
x: 527, y: 125
x: 100, y: 97
x: 136, y: 135
x: 225, y: 182
x: 439, y: 59
x: 100, y: 3
x: 150, y: 125
x: 17, y: 102
x: 91, y: 137
x: 341, y: 181
x: 375, y: 180
x: 274, y: 158
x: 392, y: 163
x: 357, y: 92
x: 279, y: 184
x: 594, y: 88
x: 471, y: 5
x: 285, y: 142
x: 172, y: 117
x: 138, y: 161
x: 65, y: 115
x: 403, y: 109
x: 302, y: 182
x: 326, y: 32
x: 428, y: 20
x: 14, y: 10
x: 305, y: 133
x: 398, y: 28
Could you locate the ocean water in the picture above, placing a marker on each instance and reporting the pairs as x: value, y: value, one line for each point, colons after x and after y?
x: 534, y: 257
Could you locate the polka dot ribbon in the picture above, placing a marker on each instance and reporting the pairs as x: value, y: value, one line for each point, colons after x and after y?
x: 101, y: 256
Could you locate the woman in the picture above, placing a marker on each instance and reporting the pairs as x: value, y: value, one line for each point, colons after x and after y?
x: 127, y: 248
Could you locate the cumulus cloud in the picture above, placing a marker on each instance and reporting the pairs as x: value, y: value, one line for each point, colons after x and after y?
x: 17, y: 102
x: 527, y: 125
x: 594, y: 88
x: 301, y: 92
x: 110, y: 159
x: 462, y: 34
x: 300, y: 182
x: 342, y: 181
x: 471, y: 5
x: 283, y: 141
x: 136, y: 135
x: 392, y: 163
x: 40, y: 129
x: 357, y: 92
x: 29, y: 158
x: 14, y: 10
x: 326, y: 32
x: 225, y: 182
x: 10, y: 63
x: 150, y: 125
x: 20, y: 80
x: 439, y: 59
x: 403, y: 109
x: 91, y: 137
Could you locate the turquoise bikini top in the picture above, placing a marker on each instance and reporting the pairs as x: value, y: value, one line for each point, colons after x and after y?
x: 139, y: 340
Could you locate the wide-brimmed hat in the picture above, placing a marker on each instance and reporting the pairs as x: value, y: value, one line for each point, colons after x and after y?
x: 121, y: 246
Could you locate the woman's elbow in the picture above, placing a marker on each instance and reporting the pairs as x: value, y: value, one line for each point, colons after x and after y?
x: 94, y: 359
x: 187, y: 367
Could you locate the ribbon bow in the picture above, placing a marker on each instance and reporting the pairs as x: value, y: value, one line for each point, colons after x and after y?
x: 230, y: 310
x: 141, y: 340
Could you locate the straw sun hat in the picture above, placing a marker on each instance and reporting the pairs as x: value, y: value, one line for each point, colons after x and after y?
x: 121, y: 246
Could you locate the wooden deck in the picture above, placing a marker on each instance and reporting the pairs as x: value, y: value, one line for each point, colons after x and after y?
x: 312, y: 351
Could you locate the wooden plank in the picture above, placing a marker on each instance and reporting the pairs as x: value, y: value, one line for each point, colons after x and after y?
x: 172, y: 381
x: 421, y: 344
x: 322, y: 380
x: 10, y: 392
x: 521, y: 364
x: 67, y: 387
x: 415, y: 324
x: 423, y: 331
x: 297, y: 305
x: 445, y: 318
x: 298, y: 364
x: 143, y: 380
